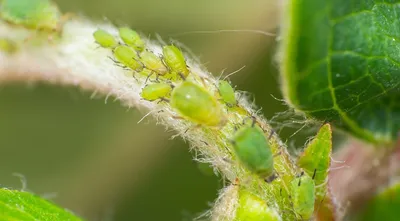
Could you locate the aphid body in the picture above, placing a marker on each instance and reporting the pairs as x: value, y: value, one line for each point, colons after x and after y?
x: 303, y: 196
x: 33, y: 14
x: 156, y: 91
x: 105, y: 39
x: 227, y: 93
x: 128, y: 57
x: 131, y: 38
x: 196, y: 104
x: 175, y: 60
x: 153, y: 62
x: 253, y: 150
x: 252, y: 208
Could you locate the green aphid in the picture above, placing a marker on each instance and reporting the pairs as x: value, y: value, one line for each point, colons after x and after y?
x: 252, y: 208
x: 175, y: 60
x: 33, y: 14
x: 7, y: 46
x: 127, y: 57
x: 253, y: 150
x: 131, y: 38
x: 153, y: 62
x: 156, y: 91
x: 105, y: 39
x: 227, y: 93
x: 303, y: 196
x: 196, y: 104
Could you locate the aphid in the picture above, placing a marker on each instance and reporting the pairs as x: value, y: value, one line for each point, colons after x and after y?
x: 303, y: 195
x: 156, y: 91
x: 253, y: 150
x: 33, y: 14
x: 128, y: 57
x: 252, y: 208
x: 175, y: 60
x: 227, y: 93
x: 104, y: 39
x: 7, y: 46
x: 196, y: 104
x: 131, y: 38
x: 153, y: 62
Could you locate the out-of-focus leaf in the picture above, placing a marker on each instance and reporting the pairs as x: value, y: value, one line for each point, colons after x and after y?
x: 16, y: 206
x: 385, y: 206
x: 341, y: 64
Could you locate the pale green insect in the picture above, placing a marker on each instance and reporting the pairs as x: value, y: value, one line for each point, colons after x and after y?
x: 153, y: 62
x: 252, y: 208
x: 175, y: 60
x: 156, y: 91
x: 303, y: 196
x: 131, y: 38
x: 33, y: 14
x: 227, y: 93
x: 105, y: 39
x: 253, y: 150
x: 196, y: 104
x: 128, y: 57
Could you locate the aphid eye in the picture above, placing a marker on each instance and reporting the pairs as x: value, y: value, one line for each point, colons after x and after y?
x: 197, y: 105
x: 105, y: 39
x: 131, y: 38
x: 252, y: 149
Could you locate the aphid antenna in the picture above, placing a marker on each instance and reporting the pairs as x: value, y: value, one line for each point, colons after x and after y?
x: 339, y: 168
x: 315, y: 172
x: 337, y: 161
x: 265, y: 33
x: 298, y: 130
x: 234, y: 72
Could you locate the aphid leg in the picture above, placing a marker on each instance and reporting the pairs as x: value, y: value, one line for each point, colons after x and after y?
x: 162, y: 99
x: 271, y: 178
x: 148, y: 77
x: 182, y: 76
x: 271, y: 134
x: 315, y: 172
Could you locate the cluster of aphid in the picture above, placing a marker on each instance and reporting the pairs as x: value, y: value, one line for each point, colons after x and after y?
x: 169, y: 79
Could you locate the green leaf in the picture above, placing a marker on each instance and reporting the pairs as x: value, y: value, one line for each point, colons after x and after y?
x: 317, y: 157
x: 341, y: 64
x: 16, y: 206
x: 385, y: 206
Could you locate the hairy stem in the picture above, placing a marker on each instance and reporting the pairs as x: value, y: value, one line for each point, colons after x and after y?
x: 76, y: 60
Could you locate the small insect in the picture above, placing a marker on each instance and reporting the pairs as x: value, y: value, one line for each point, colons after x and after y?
x: 227, y: 93
x: 131, y: 38
x: 253, y: 150
x: 153, y: 62
x: 104, y: 39
x: 156, y: 91
x: 7, y: 46
x: 32, y: 14
x: 252, y: 208
x: 175, y: 60
x: 196, y: 104
x: 303, y: 195
x: 128, y: 57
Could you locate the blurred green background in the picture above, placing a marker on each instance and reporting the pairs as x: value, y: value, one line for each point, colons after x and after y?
x: 94, y: 158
